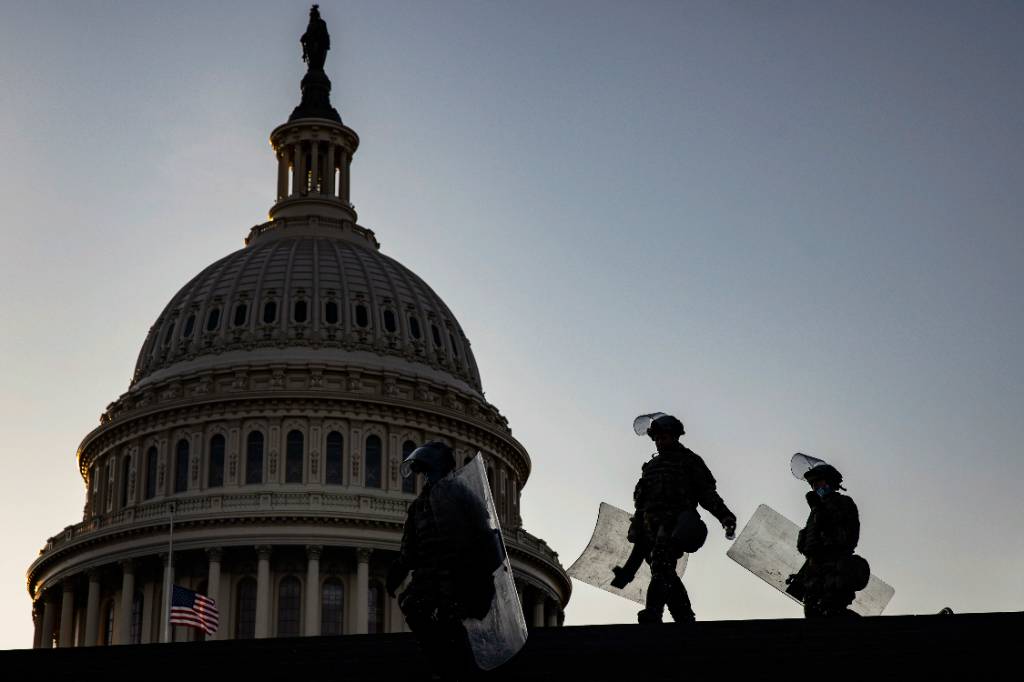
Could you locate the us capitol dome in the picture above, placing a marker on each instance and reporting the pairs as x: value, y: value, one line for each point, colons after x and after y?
x: 271, y: 405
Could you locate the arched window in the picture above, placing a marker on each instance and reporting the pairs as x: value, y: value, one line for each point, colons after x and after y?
x: 408, y: 483
x: 331, y: 313
x: 335, y: 458
x: 109, y: 498
x: 390, y: 323
x: 455, y: 349
x: 245, y: 621
x: 213, y: 320
x: 126, y: 471
x: 490, y: 482
x: 269, y: 312
x: 169, y: 334
x: 135, y: 632
x: 215, y: 477
x: 241, y: 314
x: 362, y: 316
x: 181, y: 467
x: 254, y: 458
x: 190, y: 324
x: 293, y: 458
x: 332, y: 608
x: 414, y: 327
x: 373, y: 463
x: 288, y: 600
x: 301, y: 311
x: 436, y: 333
x: 151, y: 465
x: 375, y: 609
x: 108, y: 623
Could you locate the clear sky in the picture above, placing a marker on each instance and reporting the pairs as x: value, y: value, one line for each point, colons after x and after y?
x: 795, y: 225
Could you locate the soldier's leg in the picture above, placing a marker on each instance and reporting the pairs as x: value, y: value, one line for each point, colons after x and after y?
x: 662, y: 571
x: 679, y: 601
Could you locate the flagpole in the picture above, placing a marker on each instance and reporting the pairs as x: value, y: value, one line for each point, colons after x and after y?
x: 169, y: 580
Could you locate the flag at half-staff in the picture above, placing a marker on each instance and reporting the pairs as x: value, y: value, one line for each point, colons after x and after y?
x: 193, y: 610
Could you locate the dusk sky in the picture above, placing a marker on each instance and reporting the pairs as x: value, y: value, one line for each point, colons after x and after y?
x: 798, y: 226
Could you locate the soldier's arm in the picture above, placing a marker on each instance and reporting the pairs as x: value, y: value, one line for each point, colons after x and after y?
x: 708, y: 497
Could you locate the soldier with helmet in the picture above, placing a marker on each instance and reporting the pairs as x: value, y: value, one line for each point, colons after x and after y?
x: 452, y: 553
x: 832, y: 574
x: 666, y: 523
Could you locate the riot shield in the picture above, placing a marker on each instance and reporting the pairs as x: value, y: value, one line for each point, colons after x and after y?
x: 501, y: 633
x: 643, y: 422
x: 767, y: 548
x: 608, y: 548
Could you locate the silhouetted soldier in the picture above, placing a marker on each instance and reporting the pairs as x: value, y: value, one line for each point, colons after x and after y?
x: 832, y: 574
x: 666, y: 523
x: 452, y: 552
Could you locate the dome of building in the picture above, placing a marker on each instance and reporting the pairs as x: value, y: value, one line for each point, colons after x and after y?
x: 312, y: 296
x: 272, y: 403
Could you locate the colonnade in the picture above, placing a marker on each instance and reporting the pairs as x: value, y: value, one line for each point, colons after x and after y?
x: 125, y: 602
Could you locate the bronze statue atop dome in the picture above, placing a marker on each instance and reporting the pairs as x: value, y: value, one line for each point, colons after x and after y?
x: 316, y: 41
x: 316, y: 86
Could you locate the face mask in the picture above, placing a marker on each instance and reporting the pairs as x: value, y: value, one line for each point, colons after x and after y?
x: 823, y: 490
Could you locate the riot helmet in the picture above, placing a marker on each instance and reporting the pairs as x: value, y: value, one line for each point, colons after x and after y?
x: 810, y: 469
x: 658, y: 423
x: 434, y: 460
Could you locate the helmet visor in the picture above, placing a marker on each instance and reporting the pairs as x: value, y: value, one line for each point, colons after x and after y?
x: 643, y: 422
x: 800, y: 464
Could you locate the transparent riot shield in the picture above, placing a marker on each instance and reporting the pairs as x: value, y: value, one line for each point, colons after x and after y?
x: 608, y: 548
x: 643, y: 422
x: 501, y: 633
x: 767, y: 548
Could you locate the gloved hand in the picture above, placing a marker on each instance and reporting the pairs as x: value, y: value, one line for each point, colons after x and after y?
x: 729, y: 524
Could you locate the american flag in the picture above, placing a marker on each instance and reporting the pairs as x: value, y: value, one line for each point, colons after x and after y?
x: 193, y: 610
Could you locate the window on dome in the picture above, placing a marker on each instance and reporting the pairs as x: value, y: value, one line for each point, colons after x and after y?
x: 301, y: 312
x: 288, y: 599
x: 334, y: 460
x: 245, y: 622
x: 181, y: 467
x: 362, y: 316
x: 408, y: 482
x: 151, y: 465
x: 331, y: 312
x: 241, y: 314
x: 190, y: 325
x: 436, y: 333
x: 169, y: 334
x: 213, y: 320
x: 414, y: 327
x: 332, y: 607
x: 293, y: 458
x: 373, y: 462
x: 215, y: 478
x: 390, y: 323
x: 455, y: 349
x: 254, y: 458
x: 126, y: 470
x: 269, y: 312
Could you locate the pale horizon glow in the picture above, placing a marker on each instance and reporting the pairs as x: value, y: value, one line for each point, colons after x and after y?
x: 797, y: 226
